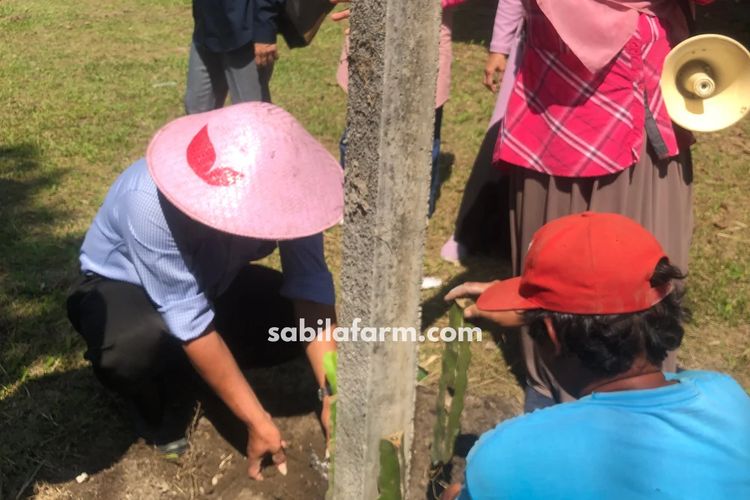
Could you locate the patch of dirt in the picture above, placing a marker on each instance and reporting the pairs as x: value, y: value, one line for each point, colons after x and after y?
x: 212, y: 469
x: 215, y: 466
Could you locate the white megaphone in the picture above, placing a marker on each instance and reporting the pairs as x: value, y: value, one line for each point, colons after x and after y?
x: 706, y: 83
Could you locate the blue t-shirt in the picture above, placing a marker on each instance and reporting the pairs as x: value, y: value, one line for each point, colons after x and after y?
x: 139, y: 237
x: 689, y: 440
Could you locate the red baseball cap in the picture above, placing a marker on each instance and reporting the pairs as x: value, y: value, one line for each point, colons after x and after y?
x: 588, y: 263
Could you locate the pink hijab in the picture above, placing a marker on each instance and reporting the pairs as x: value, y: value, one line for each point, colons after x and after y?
x: 596, y: 30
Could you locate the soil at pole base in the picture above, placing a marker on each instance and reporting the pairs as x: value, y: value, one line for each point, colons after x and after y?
x: 216, y: 469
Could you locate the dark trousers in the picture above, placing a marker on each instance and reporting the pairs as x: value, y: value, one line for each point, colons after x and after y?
x: 132, y: 352
x: 212, y: 75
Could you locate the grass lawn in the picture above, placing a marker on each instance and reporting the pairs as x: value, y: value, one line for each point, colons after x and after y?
x: 84, y: 85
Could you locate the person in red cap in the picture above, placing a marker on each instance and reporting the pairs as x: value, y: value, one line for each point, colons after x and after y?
x: 167, y: 284
x: 598, y: 298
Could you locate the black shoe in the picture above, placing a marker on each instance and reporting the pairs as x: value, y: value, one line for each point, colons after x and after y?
x: 173, y: 450
x: 163, y: 423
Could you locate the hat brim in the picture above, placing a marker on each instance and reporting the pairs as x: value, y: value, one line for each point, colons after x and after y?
x: 285, y: 184
x: 505, y: 296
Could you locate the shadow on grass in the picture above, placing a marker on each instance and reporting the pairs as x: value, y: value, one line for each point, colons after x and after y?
x: 54, y: 428
x: 27, y: 250
x: 36, y: 267
x: 446, y: 162
x: 480, y: 268
x: 483, y: 226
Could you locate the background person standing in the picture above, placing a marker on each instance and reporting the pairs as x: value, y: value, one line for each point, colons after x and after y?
x: 586, y: 129
x: 233, y: 51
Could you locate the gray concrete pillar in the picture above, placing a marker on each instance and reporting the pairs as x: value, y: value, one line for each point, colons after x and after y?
x: 392, y: 81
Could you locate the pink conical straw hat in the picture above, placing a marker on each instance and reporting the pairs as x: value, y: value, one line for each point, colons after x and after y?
x: 250, y: 169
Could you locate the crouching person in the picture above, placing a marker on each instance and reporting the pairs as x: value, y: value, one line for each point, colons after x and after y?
x: 597, y: 294
x: 167, y: 287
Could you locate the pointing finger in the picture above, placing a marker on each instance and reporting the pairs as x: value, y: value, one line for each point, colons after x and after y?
x: 470, y: 288
x: 253, y: 469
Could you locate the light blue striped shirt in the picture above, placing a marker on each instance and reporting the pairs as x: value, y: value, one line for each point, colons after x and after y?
x: 139, y: 237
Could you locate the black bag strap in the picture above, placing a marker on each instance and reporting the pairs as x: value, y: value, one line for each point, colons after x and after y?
x: 688, y: 12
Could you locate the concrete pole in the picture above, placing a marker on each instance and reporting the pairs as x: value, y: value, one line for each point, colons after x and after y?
x: 392, y: 81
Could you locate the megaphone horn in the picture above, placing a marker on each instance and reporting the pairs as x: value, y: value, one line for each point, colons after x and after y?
x: 706, y: 83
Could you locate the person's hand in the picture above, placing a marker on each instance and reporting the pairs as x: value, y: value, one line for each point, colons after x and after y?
x: 341, y: 15
x: 469, y: 289
x: 265, y: 54
x: 325, y: 418
x: 451, y: 492
x: 493, y: 70
x: 262, y: 440
x: 473, y: 289
x: 214, y: 362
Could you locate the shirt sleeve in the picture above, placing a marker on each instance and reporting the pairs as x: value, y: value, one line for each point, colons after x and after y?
x: 266, y: 25
x: 306, y: 274
x: 508, y: 20
x: 161, y: 268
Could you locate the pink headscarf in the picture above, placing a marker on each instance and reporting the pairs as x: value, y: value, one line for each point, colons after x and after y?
x: 596, y: 30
